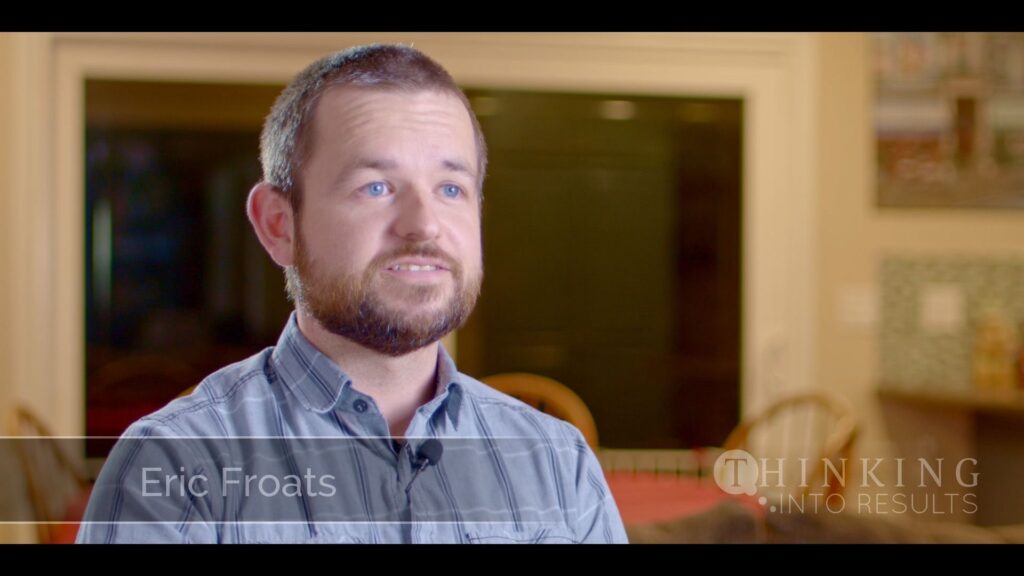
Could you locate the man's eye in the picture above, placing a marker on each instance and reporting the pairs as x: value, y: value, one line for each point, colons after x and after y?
x: 377, y: 189
x: 451, y: 190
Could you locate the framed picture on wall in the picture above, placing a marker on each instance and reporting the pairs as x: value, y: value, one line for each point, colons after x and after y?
x: 949, y: 119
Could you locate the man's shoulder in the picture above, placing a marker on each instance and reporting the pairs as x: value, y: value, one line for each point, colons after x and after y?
x: 221, y: 393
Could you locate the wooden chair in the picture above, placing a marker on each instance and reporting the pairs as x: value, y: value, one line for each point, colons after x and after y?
x: 57, y: 484
x: 548, y: 396
x: 817, y: 426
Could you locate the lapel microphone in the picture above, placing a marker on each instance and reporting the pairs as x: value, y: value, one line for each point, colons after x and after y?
x: 429, y: 454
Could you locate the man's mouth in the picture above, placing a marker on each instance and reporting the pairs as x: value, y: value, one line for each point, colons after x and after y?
x: 418, y: 265
x: 414, y: 268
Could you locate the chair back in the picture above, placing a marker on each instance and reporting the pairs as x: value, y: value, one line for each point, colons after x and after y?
x: 808, y: 436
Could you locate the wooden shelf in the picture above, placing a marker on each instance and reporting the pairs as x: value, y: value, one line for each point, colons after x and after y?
x: 1003, y: 401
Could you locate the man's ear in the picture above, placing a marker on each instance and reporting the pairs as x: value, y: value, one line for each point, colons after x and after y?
x: 273, y: 220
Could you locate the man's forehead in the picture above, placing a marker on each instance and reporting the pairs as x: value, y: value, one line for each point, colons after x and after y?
x: 358, y: 101
x: 349, y: 112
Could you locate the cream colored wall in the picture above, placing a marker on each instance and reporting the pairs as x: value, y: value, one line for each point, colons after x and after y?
x: 8, y: 533
x: 5, y: 243
x: 854, y: 235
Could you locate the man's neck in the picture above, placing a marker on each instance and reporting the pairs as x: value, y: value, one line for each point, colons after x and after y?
x: 398, y: 384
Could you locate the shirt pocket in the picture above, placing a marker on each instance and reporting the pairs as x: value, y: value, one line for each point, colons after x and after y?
x: 521, y: 535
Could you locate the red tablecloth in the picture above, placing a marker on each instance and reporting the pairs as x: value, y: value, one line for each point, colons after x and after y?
x: 644, y: 497
x: 65, y: 532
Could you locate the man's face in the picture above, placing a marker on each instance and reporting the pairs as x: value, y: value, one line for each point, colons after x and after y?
x: 387, y: 247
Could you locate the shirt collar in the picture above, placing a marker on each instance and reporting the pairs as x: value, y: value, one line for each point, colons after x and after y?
x: 321, y: 385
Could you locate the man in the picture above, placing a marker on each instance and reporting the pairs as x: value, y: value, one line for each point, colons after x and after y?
x: 357, y: 427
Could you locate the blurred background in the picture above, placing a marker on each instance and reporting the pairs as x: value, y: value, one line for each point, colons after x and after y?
x: 680, y: 228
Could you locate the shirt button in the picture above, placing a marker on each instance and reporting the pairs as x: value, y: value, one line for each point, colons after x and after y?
x: 360, y: 405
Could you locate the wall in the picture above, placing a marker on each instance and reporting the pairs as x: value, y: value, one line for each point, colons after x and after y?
x: 854, y: 235
x: 8, y: 533
x: 5, y: 243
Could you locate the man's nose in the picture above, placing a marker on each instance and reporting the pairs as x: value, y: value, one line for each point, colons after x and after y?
x: 416, y: 220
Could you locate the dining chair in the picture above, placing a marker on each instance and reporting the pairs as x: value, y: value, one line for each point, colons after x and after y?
x: 56, y: 482
x: 808, y: 436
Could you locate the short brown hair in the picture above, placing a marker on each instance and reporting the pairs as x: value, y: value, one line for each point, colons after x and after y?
x: 284, y: 143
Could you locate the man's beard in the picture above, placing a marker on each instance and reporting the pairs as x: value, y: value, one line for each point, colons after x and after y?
x: 351, y: 306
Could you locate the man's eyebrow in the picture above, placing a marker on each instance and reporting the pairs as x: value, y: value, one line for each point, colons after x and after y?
x: 383, y: 164
x: 457, y: 166
x: 375, y: 163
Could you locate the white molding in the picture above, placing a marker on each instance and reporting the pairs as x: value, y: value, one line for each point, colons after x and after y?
x: 774, y: 73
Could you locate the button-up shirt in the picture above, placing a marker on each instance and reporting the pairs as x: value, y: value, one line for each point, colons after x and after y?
x: 282, y: 448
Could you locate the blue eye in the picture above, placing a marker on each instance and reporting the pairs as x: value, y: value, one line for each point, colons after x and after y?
x: 377, y: 189
x: 451, y: 190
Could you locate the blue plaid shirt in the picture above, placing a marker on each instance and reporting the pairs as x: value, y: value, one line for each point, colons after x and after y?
x: 281, y: 448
